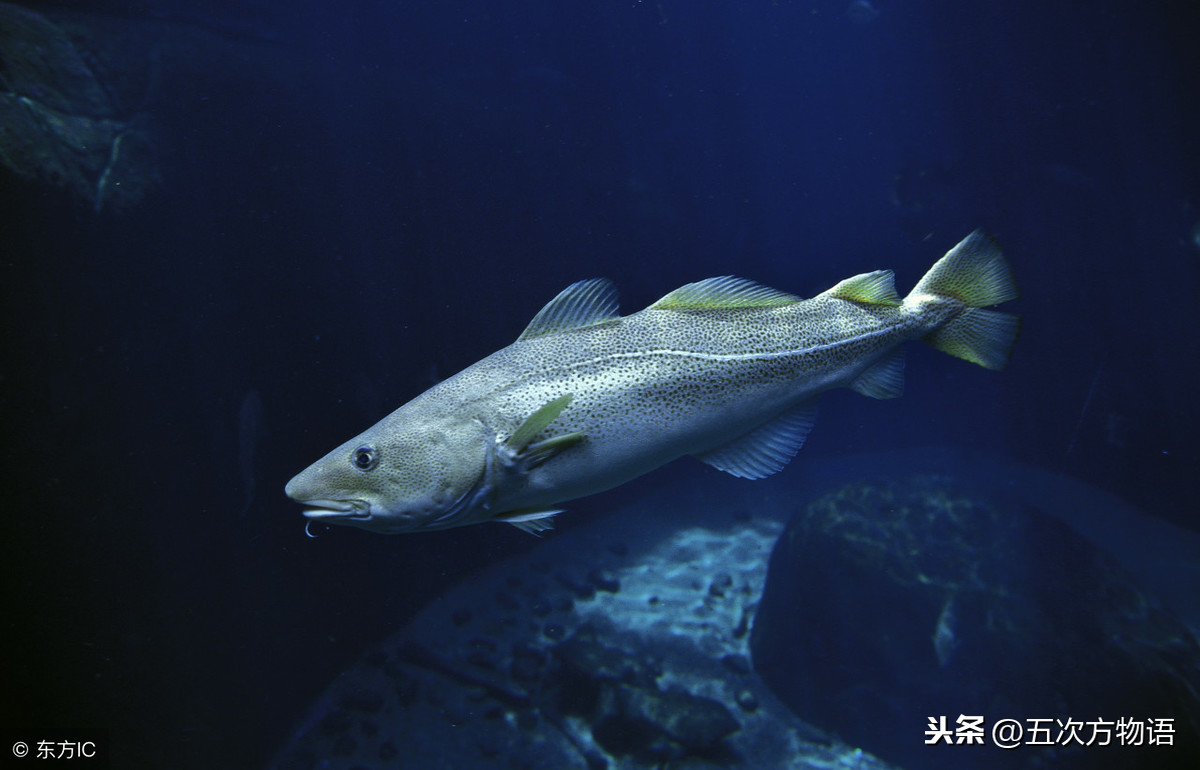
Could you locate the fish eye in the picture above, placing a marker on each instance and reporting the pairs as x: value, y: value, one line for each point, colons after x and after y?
x: 365, y: 458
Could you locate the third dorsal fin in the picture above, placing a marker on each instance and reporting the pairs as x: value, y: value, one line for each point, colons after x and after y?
x: 877, y: 288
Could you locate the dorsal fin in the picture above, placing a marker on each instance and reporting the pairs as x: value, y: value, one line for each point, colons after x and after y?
x: 725, y: 291
x: 583, y: 303
x: 877, y: 288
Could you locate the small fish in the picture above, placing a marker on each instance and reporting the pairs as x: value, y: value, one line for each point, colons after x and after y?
x: 944, y: 640
x: 725, y: 370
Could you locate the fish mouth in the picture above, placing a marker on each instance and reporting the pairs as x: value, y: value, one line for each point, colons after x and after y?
x: 336, y: 509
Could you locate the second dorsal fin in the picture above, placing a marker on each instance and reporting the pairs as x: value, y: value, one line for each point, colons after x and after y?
x: 725, y: 291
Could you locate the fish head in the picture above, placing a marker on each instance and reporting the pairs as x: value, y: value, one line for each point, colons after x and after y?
x: 409, y: 472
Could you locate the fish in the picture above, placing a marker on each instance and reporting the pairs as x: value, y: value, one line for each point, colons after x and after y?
x: 945, y: 641
x: 725, y: 370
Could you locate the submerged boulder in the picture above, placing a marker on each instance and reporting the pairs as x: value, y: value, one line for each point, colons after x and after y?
x: 92, y: 104
x: 887, y: 605
x: 615, y: 689
x: 654, y: 675
x: 64, y: 121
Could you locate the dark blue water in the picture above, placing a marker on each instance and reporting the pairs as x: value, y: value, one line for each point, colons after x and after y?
x: 358, y: 199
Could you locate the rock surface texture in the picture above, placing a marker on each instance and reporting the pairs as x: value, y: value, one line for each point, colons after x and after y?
x: 601, y: 649
x: 890, y: 603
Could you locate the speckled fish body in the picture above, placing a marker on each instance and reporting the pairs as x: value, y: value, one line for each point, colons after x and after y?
x: 724, y: 370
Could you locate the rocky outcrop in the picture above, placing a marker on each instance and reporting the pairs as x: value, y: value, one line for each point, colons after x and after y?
x: 90, y: 104
x: 60, y: 126
x: 616, y: 691
x: 598, y: 652
x: 890, y: 603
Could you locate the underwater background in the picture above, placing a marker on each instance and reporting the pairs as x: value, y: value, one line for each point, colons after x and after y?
x: 235, y: 234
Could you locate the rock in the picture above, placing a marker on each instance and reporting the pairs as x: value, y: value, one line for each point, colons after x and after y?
x: 60, y: 128
x: 604, y: 580
x: 738, y: 664
x: 344, y: 746
x: 743, y: 625
x: 584, y: 656
x: 747, y: 701
x: 888, y: 604
x: 336, y: 723
x: 90, y: 104
x: 615, y: 689
x: 619, y: 681
x: 490, y: 747
x: 483, y: 645
x: 720, y: 584
x: 366, y: 701
x: 650, y: 725
x: 581, y: 589
x: 527, y: 720
x: 540, y: 607
x: 697, y: 724
x: 526, y: 665
x: 625, y: 736
x: 506, y: 601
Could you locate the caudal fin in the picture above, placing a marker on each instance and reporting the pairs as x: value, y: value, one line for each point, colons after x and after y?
x: 975, y: 273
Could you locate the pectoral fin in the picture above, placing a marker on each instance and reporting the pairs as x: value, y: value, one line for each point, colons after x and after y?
x: 537, y: 422
x: 520, y: 444
x: 542, y: 451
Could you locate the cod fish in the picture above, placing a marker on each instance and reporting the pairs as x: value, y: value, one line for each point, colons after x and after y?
x: 724, y: 370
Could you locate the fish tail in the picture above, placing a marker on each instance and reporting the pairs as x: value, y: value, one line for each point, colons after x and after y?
x: 975, y: 274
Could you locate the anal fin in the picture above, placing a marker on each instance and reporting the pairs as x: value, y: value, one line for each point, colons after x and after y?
x: 766, y: 449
